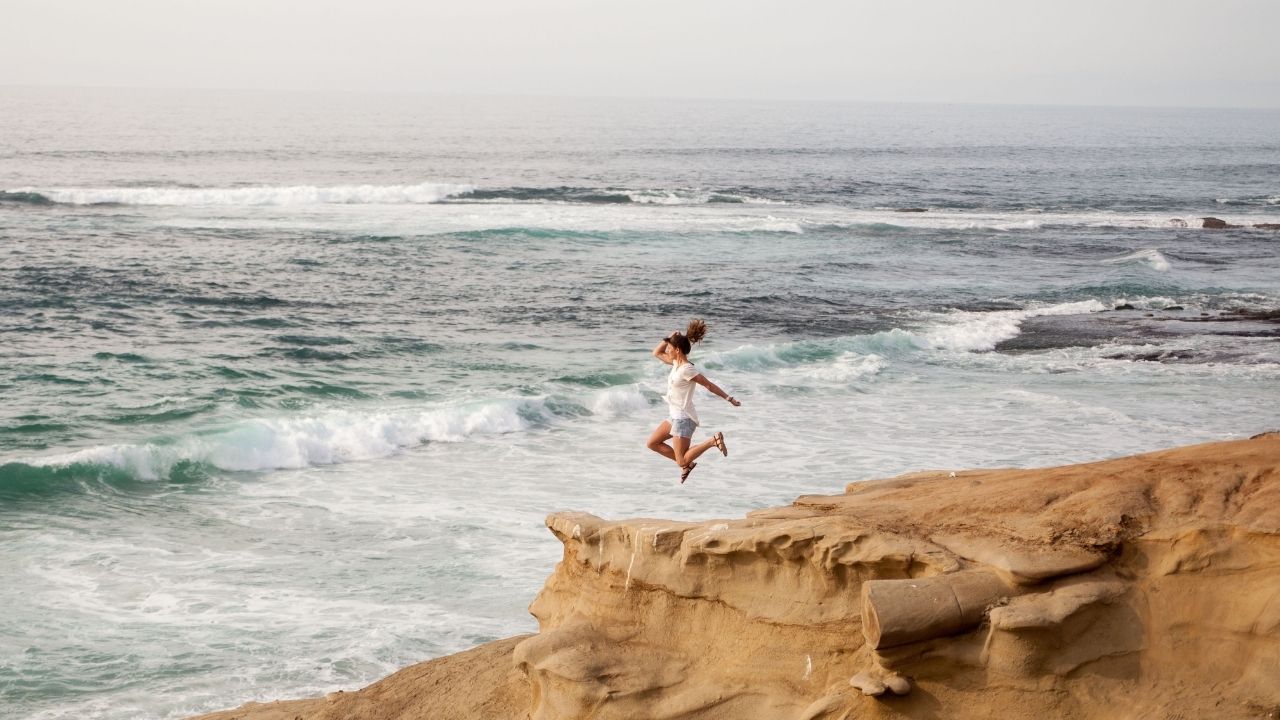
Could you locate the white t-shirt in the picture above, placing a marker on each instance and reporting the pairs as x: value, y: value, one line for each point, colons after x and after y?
x: 680, y: 387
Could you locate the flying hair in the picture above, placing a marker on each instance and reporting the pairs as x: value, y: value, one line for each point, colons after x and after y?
x: 695, y: 331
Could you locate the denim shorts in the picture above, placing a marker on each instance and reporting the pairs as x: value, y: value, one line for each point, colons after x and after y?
x: 683, y: 427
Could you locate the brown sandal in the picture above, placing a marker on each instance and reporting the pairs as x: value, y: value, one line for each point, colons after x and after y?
x: 684, y: 471
x: 719, y: 438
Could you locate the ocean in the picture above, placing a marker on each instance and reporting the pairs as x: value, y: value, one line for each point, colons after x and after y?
x: 290, y: 381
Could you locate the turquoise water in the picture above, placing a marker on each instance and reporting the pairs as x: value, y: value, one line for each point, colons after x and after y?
x: 291, y: 381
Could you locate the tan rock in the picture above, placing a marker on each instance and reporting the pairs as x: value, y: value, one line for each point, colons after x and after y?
x: 897, y: 612
x: 897, y: 684
x: 868, y: 684
x: 1022, y: 564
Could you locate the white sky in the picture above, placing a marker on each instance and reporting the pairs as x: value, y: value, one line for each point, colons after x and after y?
x: 1109, y: 52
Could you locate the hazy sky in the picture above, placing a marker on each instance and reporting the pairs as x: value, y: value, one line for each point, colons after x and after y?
x: 1131, y: 52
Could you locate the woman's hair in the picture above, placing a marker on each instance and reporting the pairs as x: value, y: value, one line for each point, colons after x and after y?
x: 696, y: 330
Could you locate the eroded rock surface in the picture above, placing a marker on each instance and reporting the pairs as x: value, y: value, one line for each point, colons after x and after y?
x: 1144, y: 586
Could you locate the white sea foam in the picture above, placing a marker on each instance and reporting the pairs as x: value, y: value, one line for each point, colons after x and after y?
x: 618, y: 401
x: 332, y: 437
x: 344, y: 435
x: 1151, y: 256
x: 1006, y: 221
x: 670, y: 197
x: 859, y: 356
x: 1155, y: 303
x: 847, y: 368
x: 967, y: 331
x: 695, y: 197
x: 1060, y: 405
x: 423, y: 193
x: 660, y: 214
x: 1248, y: 201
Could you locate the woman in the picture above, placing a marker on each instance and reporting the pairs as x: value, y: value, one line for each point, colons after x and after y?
x: 681, y: 382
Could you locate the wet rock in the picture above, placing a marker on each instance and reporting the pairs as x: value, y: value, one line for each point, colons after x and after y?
x: 1267, y: 226
x: 1178, y: 222
x: 1163, y: 356
x: 911, y: 210
x: 1213, y: 223
x: 1174, y: 308
x: 1123, y: 306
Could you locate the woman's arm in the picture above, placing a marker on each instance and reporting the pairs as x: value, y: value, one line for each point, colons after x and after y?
x: 660, y: 351
x: 715, y: 389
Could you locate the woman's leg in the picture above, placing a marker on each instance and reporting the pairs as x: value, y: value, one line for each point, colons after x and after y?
x: 658, y: 440
x: 684, y: 454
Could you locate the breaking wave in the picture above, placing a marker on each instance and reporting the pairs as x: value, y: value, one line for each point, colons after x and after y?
x: 327, y: 438
x: 423, y: 193
x: 856, y: 356
x: 1151, y: 256
x: 610, y: 196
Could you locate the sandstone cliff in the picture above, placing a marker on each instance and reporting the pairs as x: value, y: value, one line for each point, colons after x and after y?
x: 1146, y: 586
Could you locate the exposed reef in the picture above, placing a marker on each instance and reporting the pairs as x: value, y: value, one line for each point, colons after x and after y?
x: 1213, y: 223
x: 1146, y: 586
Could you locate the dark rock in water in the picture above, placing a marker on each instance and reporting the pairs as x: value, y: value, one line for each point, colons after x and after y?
x: 1174, y: 308
x: 1178, y: 222
x: 1267, y: 226
x: 1123, y: 306
x: 1268, y: 315
x: 1214, y: 223
x: 1164, y: 356
x: 1243, y: 314
x: 911, y: 210
x: 1154, y: 337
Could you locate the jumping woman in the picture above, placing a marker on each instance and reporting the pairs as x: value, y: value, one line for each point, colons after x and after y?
x: 681, y: 382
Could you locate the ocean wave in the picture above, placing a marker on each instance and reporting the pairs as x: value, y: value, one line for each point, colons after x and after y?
x: 846, y: 368
x: 975, y: 220
x: 610, y: 196
x: 1156, y: 302
x: 324, y: 438
x: 968, y: 331
x: 697, y: 197
x: 1151, y: 256
x: 423, y: 193
x: 957, y: 331
x: 24, y: 197
x: 1257, y: 200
